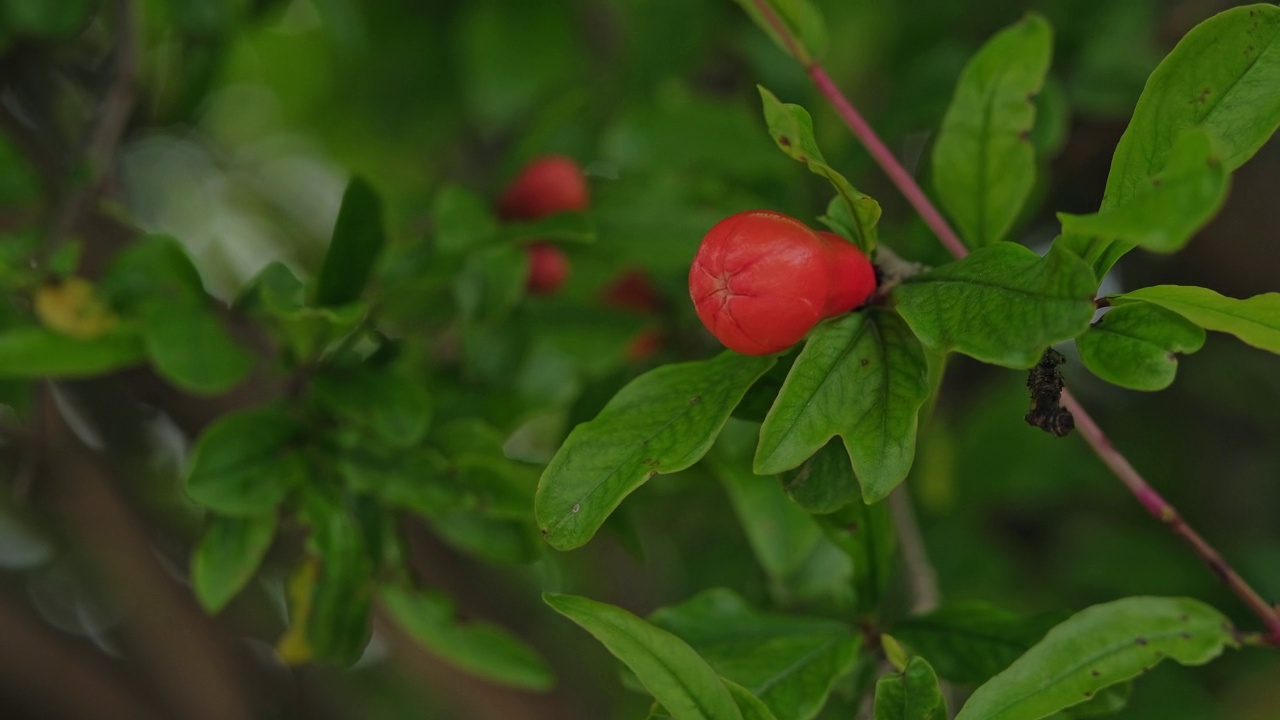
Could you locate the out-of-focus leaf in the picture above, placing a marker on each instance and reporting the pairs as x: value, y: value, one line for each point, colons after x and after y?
x: 803, y: 34
x: 1099, y: 647
x: 668, y: 668
x: 357, y: 239
x: 662, y: 422
x: 984, y: 164
x: 464, y: 221
x: 492, y: 281
x: 227, y: 557
x: 389, y: 402
x: 825, y: 482
x: 189, y: 347
x: 790, y: 662
x: 865, y: 534
x: 341, y: 599
x: 32, y: 352
x: 481, y: 648
x: 1137, y: 346
x: 971, y: 642
x: 243, y: 466
x: 912, y: 694
x: 72, y: 307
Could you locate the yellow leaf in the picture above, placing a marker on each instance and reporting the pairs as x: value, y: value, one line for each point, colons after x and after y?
x: 72, y: 307
x: 293, y: 647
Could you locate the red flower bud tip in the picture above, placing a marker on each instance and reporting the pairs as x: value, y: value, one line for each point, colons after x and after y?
x: 633, y: 290
x: 644, y: 345
x: 853, y: 278
x: 548, y: 268
x: 759, y: 281
x: 550, y: 184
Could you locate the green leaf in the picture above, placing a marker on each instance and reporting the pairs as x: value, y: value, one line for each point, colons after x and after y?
x: 189, y: 347
x: 228, y: 555
x: 1098, y: 647
x: 661, y: 422
x: 971, y: 642
x: 792, y: 128
x: 150, y: 269
x: 862, y: 377
x: 790, y: 662
x: 481, y: 648
x: 1003, y: 304
x: 337, y: 627
x: 984, y: 164
x: 33, y: 352
x: 389, y: 402
x: 464, y: 221
x: 358, y: 237
x: 912, y: 694
x: 489, y: 538
x: 1170, y: 207
x: 825, y: 482
x: 1256, y: 320
x: 243, y: 466
x: 751, y: 707
x: 1137, y: 346
x: 561, y: 227
x: 788, y: 544
x: 804, y: 35
x: 667, y: 667
x: 865, y: 534
x: 492, y: 282
x: 1221, y: 76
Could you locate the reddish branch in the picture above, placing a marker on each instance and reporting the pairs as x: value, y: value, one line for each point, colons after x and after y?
x: 1147, y: 495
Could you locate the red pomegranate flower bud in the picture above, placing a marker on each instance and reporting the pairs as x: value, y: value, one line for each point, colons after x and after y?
x: 633, y: 290
x: 853, y: 278
x: 759, y: 281
x: 548, y: 268
x: 550, y: 184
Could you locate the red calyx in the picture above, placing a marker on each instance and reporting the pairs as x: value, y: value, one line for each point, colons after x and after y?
x: 550, y: 184
x: 853, y: 278
x: 548, y: 268
x: 760, y: 280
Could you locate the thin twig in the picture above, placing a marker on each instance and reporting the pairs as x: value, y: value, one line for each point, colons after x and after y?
x: 1150, y: 499
x: 922, y: 579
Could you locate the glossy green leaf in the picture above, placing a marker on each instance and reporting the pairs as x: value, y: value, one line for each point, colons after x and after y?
x: 789, y: 545
x: 862, y: 377
x: 243, y: 466
x: 864, y: 533
x: 227, y: 556
x: 389, y: 402
x: 668, y: 668
x: 1136, y: 346
x: 1162, y: 214
x: 492, y: 281
x: 1098, y: 647
x: 751, y: 707
x: 984, y: 164
x: 358, y: 237
x: 188, y: 346
x: 790, y: 662
x: 803, y: 34
x: 912, y: 694
x: 661, y: 422
x: 33, y: 352
x: 825, y: 482
x: 463, y: 220
x: 1255, y: 320
x: 1003, y: 304
x: 971, y: 642
x: 792, y: 128
x: 481, y: 648
x: 1221, y: 76
x: 338, y: 626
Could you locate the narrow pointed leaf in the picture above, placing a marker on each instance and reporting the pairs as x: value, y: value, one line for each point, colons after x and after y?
x: 227, y: 557
x: 790, y: 662
x: 1170, y: 207
x: 668, y: 668
x: 1003, y: 304
x: 358, y: 237
x: 751, y: 707
x: 1137, y: 346
x: 32, y: 352
x: 661, y: 422
x: 862, y: 377
x: 481, y: 648
x: 1099, y: 647
x: 912, y: 694
x: 792, y: 128
x: 1255, y: 320
x: 984, y: 163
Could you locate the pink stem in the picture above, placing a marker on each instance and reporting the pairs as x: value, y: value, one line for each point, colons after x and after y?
x: 1156, y: 505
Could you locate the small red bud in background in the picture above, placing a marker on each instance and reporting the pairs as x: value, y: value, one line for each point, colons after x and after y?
x: 853, y: 278
x: 759, y: 281
x: 644, y: 345
x: 548, y: 268
x: 550, y: 184
x: 633, y: 290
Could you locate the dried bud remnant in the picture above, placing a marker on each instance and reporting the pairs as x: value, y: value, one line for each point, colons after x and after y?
x: 1045, y: 383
